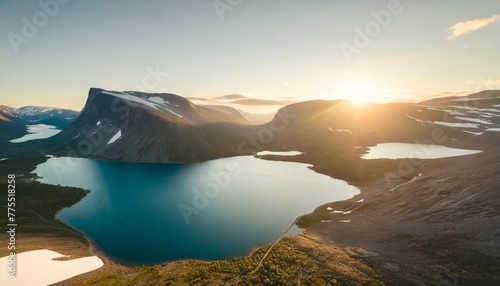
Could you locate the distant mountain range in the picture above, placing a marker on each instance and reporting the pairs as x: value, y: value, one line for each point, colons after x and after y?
x: 342, y: 123
x: 161, y: 127
x: 13, y: 121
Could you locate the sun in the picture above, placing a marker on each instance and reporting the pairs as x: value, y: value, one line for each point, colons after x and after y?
x: 358, y: 92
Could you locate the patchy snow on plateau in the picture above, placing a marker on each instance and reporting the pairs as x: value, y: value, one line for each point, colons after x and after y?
x: 115, y: 137
x: 153, y: 102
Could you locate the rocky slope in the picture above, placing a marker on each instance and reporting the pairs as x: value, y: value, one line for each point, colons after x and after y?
x: 60, y: 118
x: 430, y: 222
x: 10, y: 126
x: 141, y: 127
x: 14, y: 121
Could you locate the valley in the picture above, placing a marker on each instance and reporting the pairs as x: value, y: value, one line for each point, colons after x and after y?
x: 432, y: 221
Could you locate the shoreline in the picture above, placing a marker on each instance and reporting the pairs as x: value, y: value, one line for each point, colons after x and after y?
x: 350, y: 238
x: 126, y: 263
x: 43, y: 242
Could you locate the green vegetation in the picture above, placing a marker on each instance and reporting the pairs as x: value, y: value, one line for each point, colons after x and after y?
x: 293, y: 261
x: 285, y: 265
x: 288, y: 263
x: 313, y: 218
x: 19, y: 165
x: 36, y: 207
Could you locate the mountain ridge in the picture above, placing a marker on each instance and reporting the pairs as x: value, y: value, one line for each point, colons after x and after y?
x: 151, y: 127
x: 164, y: 127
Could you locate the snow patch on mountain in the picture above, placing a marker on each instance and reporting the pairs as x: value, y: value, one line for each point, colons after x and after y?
x: 473, y: 120
x: 473, y: 133
x: 416, y: 119
x: 454, y: 112
x: 340, y: 130
x: 31, y: 110
x: 476, y: 110
x: 159, y: 100
x: 147, y: 102
x: 129, y: 97
x: 460, y: 125
x: 115, y: 137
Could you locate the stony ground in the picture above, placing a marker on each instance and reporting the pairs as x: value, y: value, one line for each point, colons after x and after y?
x: 436, y: 223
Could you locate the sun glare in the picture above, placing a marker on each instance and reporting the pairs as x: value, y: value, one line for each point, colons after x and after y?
x: 359, y: 92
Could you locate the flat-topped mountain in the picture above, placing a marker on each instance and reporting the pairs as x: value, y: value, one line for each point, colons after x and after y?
x: 143, y: 127
x: 162, y: 127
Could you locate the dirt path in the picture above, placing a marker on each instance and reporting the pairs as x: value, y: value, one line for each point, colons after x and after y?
x: 272, y: 246
x: 237, y: 280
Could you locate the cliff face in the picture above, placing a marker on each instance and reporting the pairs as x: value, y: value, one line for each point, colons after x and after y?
x: 141, y: 127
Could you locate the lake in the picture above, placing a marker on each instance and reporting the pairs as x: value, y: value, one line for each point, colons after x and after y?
x: 408, y: 150
x: 285, y: 153
x: 141, y: 213
x: 37, y: 131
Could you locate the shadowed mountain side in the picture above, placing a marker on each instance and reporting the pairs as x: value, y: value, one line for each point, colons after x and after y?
x: 14, y: 121
x: 258, y: 119
x: 141, y: 127
x: 60, y: 118
x: 232, y: 114
x: 342, y: 125
x: 11, y: 127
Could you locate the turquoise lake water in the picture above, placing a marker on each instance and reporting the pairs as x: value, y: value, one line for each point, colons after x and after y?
x: 140, y: 213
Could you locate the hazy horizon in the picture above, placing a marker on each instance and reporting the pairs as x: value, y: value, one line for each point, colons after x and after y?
x: 382, y: 51
x: 266, y: 107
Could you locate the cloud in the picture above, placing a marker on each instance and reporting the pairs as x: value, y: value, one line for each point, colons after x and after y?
x: 197, y: 98
x: 242, y: 100
x: 257, y: 101
x: 470, y: 26
x: 231, y: 96
x: 246, y: 103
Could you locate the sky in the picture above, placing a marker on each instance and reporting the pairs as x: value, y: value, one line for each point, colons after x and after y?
x: 53, y: 51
